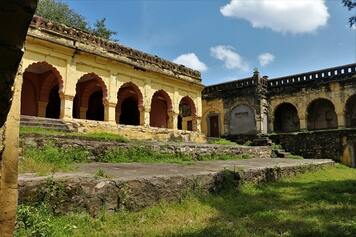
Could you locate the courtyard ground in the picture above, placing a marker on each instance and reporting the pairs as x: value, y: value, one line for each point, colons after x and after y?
x: 320, y: 203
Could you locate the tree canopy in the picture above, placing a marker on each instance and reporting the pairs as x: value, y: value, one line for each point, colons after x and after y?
x: 351, y: 4
x: 60, y: 12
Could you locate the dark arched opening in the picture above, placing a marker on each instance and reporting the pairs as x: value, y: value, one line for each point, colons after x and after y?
x: 160, y: 107
x: 89, y: 99
x: 321, y: 115
x: 350, y: 112
x: 54, y: 103
x: 96, y: 109
x: 286, y: 118
x: 129, y: 102
x: 130, y: 114
x: 40, y: 91
x: 187, y: 114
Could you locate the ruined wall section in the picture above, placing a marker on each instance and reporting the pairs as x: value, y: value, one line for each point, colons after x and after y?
x: 245, y: 105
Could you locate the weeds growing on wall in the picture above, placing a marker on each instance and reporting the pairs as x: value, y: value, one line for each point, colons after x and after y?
x: 50, y: 159
x: 102, y: 136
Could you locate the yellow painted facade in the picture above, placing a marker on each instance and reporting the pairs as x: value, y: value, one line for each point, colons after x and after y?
x: 73, y: 60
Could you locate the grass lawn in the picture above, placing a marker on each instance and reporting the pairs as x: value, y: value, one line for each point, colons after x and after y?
x: 321, y: 203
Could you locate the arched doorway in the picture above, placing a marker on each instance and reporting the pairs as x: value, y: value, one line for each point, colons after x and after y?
x: 321, y: 115
x: 129, y: 104
x: 161, y: 106
x: 242, y: 120
x: 286, y: 118
x: 91, y: 93
x: 187, y: 114
x: 41, y: 86
x: 350, y: 112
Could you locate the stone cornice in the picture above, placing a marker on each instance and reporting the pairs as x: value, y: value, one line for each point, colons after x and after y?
x: 134, y: 55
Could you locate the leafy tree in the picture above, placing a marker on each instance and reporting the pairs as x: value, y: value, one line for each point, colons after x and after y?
x: 101, y: 30
x: 58, y: 11
x: 351, y: 4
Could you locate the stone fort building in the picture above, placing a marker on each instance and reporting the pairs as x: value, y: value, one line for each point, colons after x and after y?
x: 93, y: 84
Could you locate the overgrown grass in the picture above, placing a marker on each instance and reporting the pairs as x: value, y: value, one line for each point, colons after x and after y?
x: 103, y: 136
x: 49, y: 159
x: 317, y: 204
x: 222, y: 141
x: 143, y: 155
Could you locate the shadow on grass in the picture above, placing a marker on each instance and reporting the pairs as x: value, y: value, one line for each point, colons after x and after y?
x: 308, y: 207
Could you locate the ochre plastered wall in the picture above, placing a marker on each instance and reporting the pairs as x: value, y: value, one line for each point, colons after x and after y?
x: 73, y: 64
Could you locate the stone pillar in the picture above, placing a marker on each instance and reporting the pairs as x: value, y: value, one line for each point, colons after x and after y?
x: 66, y: 106
x: 42, y: 105
x: 341, y: 120
x: 173, y: 120
x: 144, y: 116
x: 303, y: 124
x: 83, y: 112
x: 110, y: 112
x: 197, y: 124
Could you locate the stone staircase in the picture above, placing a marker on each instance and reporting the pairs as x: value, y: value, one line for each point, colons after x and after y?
x: 39, y: 122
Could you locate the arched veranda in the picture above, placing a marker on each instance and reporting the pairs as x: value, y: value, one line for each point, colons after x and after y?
x: 42, y: 84
x: 129, y: 105
x: 286, y: 118
x: 90, y: 98
x: 161, y: 108
x: 321, y: 115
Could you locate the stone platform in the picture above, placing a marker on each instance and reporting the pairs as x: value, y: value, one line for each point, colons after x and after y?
x: 134, y: 186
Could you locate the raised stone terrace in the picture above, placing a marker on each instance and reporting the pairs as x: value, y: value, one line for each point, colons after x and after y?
x: 135, y: 186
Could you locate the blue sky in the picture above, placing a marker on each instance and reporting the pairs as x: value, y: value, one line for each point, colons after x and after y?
x: 224, y: 38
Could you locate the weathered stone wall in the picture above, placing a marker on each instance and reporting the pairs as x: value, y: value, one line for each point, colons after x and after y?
x: 135, y: 132
x: 97, y: 147
x: 83, y: 192
x: 337, y: 144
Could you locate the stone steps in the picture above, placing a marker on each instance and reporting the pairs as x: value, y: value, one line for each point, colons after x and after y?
x: 56, y: 124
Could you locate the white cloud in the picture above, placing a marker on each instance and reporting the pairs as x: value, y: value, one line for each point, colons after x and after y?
x: 192, y: 61
x: 265, y: 59
x: 230, y: 57
x: 294, y: 16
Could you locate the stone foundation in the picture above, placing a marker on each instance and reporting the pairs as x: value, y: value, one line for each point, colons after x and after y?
x: 337, y: 144
x: 97, y: 147
x: 135, y: 186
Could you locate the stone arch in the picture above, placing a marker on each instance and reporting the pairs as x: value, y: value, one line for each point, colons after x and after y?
x: 187, y: 118
x: 242, y: 120
x: 350, y: 112
x: 41, y: 89
x: 129, y: 104
x: 286, y: 118
x: 161, y: 108
x: 90, y: 98
x: 321, y: 115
